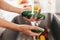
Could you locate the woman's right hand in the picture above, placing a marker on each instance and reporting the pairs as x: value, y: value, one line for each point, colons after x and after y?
x: 26, y: 29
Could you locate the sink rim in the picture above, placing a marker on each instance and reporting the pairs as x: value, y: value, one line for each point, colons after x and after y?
x: 56, y: 15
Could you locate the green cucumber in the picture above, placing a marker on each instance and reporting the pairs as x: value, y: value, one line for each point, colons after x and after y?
x: 40, y: 16
x: 37, y: 31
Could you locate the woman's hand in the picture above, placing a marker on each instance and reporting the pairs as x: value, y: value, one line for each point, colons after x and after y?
x: 26, y: 29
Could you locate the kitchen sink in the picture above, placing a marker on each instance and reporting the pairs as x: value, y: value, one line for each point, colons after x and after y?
x: 55, y: 26
x: 58, y: 15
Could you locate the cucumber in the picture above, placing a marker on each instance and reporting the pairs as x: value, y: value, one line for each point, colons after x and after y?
x: 37, y: 31
x: 40, y: 16
x: 28, y: 13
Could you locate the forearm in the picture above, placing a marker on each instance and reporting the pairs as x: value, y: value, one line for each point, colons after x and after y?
x: 8, y: 7
x: 9, y: 25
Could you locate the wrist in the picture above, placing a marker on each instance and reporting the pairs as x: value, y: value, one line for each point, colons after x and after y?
x: 20, y: 28
x: 20, y: 11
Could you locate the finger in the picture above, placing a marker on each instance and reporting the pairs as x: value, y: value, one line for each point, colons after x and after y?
x: 30, y: 33
x: 34, y: 34
x: 39, y: 11
x: 34, y: 28
x: 39, y: 34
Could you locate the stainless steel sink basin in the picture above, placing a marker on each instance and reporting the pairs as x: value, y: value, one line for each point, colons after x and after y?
x: 57, y: 16
x: 55, y: 26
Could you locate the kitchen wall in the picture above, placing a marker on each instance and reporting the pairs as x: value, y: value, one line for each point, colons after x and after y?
x: 57, y: 6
